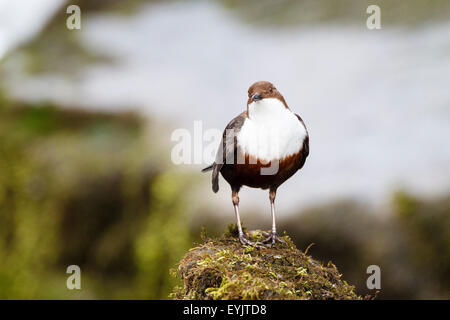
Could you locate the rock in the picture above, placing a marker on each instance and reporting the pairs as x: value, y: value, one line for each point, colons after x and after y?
x: 223, y: 268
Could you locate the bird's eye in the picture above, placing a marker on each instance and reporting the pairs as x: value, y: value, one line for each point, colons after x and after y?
x: 270, y: 89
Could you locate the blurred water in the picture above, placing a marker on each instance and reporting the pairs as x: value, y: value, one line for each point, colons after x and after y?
x: 19, y: 21
x: 376, y: 103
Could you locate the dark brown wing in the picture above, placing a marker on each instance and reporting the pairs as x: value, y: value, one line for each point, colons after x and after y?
x: 227, y: 148
x: 305, y: 150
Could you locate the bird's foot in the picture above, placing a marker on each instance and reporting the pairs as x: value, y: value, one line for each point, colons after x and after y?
x: 272, y: 239
x: 247, y: 242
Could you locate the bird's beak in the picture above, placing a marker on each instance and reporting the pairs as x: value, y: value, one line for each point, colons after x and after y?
x: 256, y: 97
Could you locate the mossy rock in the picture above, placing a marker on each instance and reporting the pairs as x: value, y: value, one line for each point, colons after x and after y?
x: 223, y: 268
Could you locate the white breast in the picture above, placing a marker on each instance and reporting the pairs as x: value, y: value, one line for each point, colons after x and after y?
x: 271, y: 132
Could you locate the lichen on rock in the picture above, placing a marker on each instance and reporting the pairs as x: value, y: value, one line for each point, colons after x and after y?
x: 223, y: 268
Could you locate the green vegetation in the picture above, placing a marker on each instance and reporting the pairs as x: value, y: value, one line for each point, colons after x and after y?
x: 426, y: 225
x: 409, y: 241
x: 92, y: 189
x: 270, y: 13
x: 225, y: 269
x: 86, y: 188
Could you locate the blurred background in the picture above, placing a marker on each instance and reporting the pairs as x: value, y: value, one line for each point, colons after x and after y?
x: 86, y: 117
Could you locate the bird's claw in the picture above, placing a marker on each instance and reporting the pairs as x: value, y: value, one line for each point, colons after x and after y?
x: 245, y: 241
x: 272, y: 239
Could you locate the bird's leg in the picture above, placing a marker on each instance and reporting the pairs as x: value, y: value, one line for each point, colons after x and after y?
x: 242, y: 238
x: 273, y: 233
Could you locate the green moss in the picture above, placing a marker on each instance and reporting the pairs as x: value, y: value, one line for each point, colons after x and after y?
x: 225, y: 269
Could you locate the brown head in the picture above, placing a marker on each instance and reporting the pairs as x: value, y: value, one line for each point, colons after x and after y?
x: 262, y: 90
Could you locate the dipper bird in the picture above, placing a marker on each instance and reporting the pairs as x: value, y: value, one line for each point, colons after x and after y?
x: 261, y: 148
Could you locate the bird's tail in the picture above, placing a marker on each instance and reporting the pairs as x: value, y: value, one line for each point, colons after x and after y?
x: 209, y: 168
x: 215, y: 176
x: 215, y: 179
